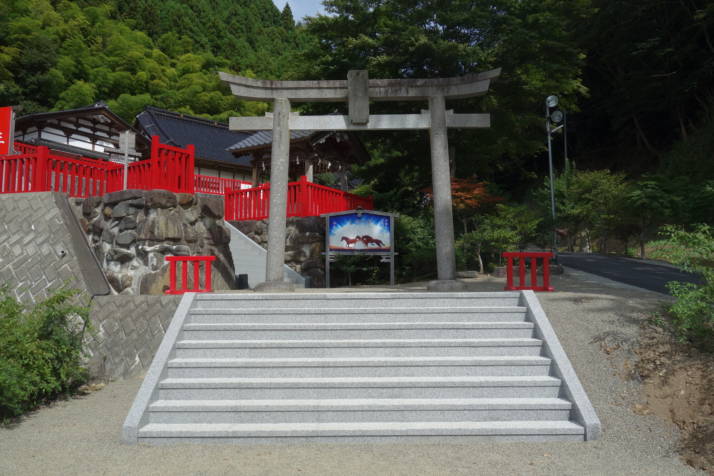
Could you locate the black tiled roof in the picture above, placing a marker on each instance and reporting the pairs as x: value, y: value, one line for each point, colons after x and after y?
x: 262, y: 138
x: 211, y: 138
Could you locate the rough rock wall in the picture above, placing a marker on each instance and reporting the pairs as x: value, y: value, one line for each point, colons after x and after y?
x: 125, y: 333
x: 304, y: 244
x: 36, y: 252
x: 132, y: 231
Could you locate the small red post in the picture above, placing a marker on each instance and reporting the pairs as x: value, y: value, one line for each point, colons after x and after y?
x: 41, y: 170
x: 190, y: 169
x: 184, y: 275
x: 196, y: 262
x: 522, y: 261
x: 521, y: 271
x: 208, y: 285
x: 534, y: 272
x: 172, y: 276
x: 196, y: 275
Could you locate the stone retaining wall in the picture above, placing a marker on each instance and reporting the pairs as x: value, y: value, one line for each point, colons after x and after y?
x: 125, y: 333
x: 132, y: 231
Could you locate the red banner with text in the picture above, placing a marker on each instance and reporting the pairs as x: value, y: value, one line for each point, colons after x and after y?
x: 5, y: 129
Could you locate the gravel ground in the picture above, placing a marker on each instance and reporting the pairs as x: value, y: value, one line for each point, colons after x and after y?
x: 590, y: 315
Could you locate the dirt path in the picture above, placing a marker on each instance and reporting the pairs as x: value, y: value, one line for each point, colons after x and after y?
x: 82, y: 436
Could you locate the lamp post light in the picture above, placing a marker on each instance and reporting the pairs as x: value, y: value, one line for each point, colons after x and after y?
x: 553, y: 119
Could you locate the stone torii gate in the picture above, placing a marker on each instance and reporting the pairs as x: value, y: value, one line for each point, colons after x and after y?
x: 357, y: 91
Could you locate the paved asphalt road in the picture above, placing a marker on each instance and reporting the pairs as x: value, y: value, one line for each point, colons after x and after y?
x: 643, y: 274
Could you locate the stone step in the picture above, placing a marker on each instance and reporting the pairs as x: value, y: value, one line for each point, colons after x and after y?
x: 158, y: 433
x: 360, y: 330
x: 350, y: 314
x: 356, y: 300
x: 359, y: 367
x: 358, y: 410
x: 358, y: 387
x: 287, y: 348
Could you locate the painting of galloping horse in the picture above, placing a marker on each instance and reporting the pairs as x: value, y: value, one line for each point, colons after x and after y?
x: 360, y: 232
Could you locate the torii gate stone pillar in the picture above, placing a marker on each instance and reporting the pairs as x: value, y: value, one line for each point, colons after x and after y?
x: 357, y: 91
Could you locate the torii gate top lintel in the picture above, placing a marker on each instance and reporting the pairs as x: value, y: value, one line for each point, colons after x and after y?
x: 458, y: 87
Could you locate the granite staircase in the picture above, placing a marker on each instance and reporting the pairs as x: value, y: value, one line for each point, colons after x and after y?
x: 360, y: 366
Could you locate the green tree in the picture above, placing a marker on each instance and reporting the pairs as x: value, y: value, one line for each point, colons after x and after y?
x: 693, y: 311
x: 649, y: 205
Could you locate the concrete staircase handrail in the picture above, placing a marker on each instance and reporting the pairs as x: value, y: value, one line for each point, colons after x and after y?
x: 561, y: 367
x: 261, y: 253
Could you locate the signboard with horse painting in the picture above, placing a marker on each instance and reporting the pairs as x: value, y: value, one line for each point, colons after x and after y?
x: 359, y: 232
x: 364, y: 232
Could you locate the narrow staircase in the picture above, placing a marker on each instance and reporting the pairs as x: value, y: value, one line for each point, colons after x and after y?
x: 358, y: 367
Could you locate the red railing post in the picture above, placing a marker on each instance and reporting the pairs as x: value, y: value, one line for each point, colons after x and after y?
x: 172, y: 276
x: 208, y: 285
x: 41, y: 170
x: 155, y: 171
x: 190, y: 169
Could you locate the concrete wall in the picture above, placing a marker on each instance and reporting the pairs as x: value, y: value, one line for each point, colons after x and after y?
x: 126, y: 331
x: 37, y: 252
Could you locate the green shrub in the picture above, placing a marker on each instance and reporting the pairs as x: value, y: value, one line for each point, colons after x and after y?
x: 693, y: 311
x: 416, y: 246
x: 40, y: 350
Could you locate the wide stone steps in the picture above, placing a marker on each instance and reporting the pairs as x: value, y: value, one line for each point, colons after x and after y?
x: 354, y: 367
x: 350, y: 314
x: 357, y: 300
x: 358, y: 387
x: 358, y: 330
x: 228, y: 348
x: 359, y: 410
x: 359, y: 367
x: 375, y: 431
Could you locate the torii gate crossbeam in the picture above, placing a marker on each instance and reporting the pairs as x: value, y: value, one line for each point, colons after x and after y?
x: 357, y: 91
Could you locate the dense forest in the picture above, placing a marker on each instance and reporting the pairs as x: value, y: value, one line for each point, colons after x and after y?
x: 636, y: 81
x: 64, y: 54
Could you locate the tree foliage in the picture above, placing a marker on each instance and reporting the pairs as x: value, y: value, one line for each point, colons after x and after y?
x: 58, y: 55
x: 693, y: 311
x: 532, y: 41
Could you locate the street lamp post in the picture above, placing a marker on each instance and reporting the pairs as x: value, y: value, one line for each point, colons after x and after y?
x: 553, y: 117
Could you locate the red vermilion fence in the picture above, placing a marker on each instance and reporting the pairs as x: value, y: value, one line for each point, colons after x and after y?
x: 522, y: 264
x: 216, y: 185
x: 304, y: 199
x: 190, y: 284
x: 172, y: 168
x: 37, y: 169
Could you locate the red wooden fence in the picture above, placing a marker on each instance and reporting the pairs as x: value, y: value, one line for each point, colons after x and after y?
x: 522, y: 264
x: 216, y: 185
x: 305, y: 199
x: 36, y: 169
x: 190, y: 284
x: 172, y: 168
